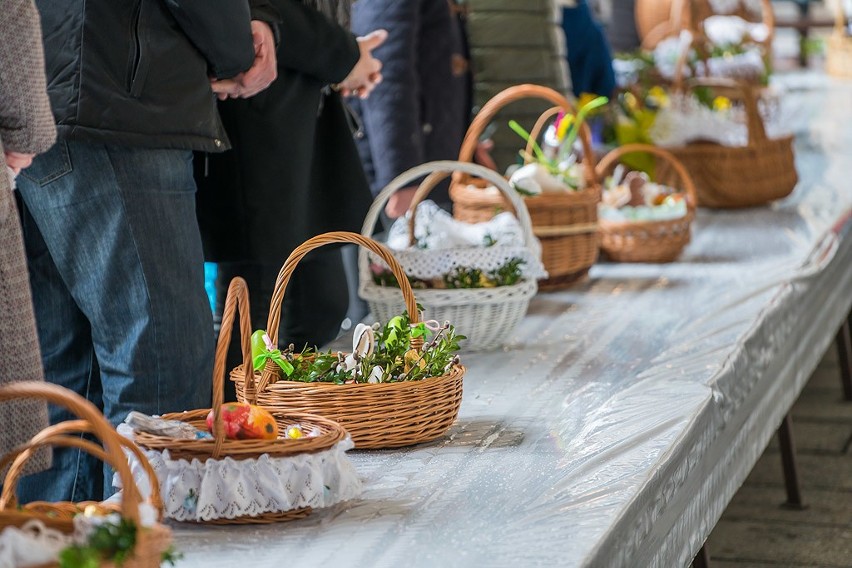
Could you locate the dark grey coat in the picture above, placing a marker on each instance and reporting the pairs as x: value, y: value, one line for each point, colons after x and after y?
x: 420, y: 111
x: 294, y: 171
x: 26, y: 125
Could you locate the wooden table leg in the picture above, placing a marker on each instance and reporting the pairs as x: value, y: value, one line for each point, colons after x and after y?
x: 702, y: 559
x: 844, y: 353
x: 788, y: 462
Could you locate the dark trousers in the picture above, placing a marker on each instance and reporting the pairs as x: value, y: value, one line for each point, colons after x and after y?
x: 315, y: 302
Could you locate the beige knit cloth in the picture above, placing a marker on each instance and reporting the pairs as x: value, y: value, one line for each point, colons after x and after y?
x: 26, y: 125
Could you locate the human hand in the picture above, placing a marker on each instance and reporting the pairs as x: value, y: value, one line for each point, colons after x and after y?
x: 263, y: 71
x: 18, y: 161
x: 367, y: 73
x: 399, y: 202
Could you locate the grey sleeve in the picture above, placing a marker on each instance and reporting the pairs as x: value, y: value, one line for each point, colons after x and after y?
x: 26, y: 122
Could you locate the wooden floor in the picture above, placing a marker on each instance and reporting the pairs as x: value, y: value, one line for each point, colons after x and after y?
x: 756, y: 531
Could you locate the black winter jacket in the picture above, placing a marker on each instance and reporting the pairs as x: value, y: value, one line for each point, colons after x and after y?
x: 294, y: 171
x: 136, y: 72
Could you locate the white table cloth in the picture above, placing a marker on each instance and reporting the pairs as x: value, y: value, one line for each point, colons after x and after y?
x: 625, y: 413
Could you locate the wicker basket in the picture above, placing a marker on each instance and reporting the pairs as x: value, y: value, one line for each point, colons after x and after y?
x: 220, y: 447
x: 659, y: 19
x: 383, y: 415
x: 743, y: 176
x: 647, y: 241
x: 838, y: 56
x: 151, y: 542
x: 485, y: 315
x: 565, y: 223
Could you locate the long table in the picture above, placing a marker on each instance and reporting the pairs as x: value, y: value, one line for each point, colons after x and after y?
x: 623, y: 415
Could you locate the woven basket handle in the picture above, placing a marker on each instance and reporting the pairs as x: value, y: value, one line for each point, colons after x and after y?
x: 767, y: 19
x: 692, y: 21
x: 696, y: 16
x: 609, y: 161
x: 72, y: 427
x: 435, y: 172
x: 102, y: 429
x: 520, y: 208
x: 678, y: 15
x: 504, y: 98
x: 65, y: 434
x: 743, y: 91
x: 237, y: 299
x: 537, y: 129
x: 326, y: 239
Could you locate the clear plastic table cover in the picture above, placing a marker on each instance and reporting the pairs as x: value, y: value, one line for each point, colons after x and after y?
x: 625, y: 413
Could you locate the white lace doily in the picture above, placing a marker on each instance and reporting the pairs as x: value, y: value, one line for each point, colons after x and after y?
x: 228, y: 488
x: 746, y: 65
x: 432, y: 264
x: 729, y: 30
x: 435, y: 229
x: 445, y: 243
x: 33, y: 544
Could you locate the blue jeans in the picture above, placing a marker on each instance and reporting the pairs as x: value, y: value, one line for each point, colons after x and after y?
x: 117, y: 275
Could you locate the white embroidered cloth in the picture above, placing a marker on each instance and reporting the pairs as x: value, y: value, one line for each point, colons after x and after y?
x: 33, y: 544
x: 444, y: 243
x: 228, y: 488
x: 746, y: 65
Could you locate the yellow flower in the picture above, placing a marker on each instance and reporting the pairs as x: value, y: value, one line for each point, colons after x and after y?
x: 721, y: 104
x: 585, y: 98
x: 631, y: 102
x: 659, y: 95
x: 564, y: 125
x: 485, y: 282
x: 412, y: 357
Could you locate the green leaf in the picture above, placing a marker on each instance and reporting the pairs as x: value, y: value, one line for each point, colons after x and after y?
x: 78, y: 557
x: 392, y: 337
x: 519, y: 130
x: 584, y: 111
x: 523, y: 191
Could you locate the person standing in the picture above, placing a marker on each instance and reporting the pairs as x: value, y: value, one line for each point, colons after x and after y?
x: 115, y: 259
x: 26, y: 129
x: 294, y: 172
x: 421, y: 110
x: 589, y: 55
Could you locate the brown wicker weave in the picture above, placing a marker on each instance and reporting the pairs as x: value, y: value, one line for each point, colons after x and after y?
x: 659, y: 19
x: 383, y: 415
x: 838, y: 56
x: 742, y: 176
x: 221, y: 447
x: 647, y: 241
x: 565, y: 223
x: 151, y: 542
